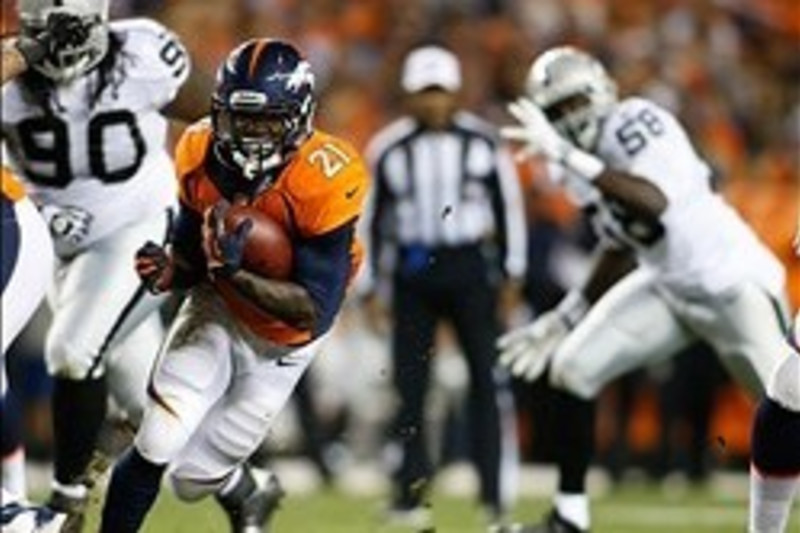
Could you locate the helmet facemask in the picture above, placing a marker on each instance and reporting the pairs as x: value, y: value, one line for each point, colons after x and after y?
x: 68, y: 62
x: 258, y: 137
x: 575, y: 93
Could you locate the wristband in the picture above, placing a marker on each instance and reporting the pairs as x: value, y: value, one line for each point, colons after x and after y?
x: 573, y: 307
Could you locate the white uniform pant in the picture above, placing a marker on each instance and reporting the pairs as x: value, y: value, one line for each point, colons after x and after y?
x: 214, y: 394
x: 638, y: 322
x: 98, y: 305
x: 31, y: 276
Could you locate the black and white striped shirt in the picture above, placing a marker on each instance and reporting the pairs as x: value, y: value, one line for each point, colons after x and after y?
x: 449, y: 188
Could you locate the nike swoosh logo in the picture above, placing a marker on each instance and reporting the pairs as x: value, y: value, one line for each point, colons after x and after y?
x: 352, y: 192
x: 284, y: 361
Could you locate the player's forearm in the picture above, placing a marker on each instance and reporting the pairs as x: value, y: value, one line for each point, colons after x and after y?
x: 636, y: 194
x: 611, y: 266
x: 284, y: 300
x: 12, y: 62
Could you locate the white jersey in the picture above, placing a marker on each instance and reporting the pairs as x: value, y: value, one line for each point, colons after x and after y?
x: 700, y: 245
x: 108, y: 158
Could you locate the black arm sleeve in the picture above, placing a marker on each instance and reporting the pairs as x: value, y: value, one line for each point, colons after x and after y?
x: 187, y: 248
x: 322, y: 267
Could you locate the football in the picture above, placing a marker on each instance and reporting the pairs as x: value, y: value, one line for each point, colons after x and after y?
x: 268, y: 250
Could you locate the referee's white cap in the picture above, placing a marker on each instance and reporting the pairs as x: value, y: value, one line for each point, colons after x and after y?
x: 431, y: 66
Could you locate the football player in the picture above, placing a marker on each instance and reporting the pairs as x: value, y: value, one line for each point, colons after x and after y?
x: 241, y: 341
x: 84, y: 129
x: 26, y: 270
x: 775, y: 442
x: 677, y: 263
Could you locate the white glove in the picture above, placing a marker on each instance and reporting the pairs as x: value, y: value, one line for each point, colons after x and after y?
x: 68, y: 224
x: 539, y: 137
x: 526, y: 351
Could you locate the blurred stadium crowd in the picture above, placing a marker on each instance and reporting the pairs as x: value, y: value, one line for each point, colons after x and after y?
x: 730, y: 69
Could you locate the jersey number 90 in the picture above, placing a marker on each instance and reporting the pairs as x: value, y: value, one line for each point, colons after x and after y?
x: 45, y: 145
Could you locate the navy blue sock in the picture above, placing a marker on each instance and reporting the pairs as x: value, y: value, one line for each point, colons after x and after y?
x: 11, y: 424
x: 134, y: 486
x: 776, y: 439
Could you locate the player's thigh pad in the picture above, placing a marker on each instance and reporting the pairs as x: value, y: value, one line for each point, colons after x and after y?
x: 629, y: 326
x: 747, y: 327
x: 31, y: 275
x: 237, y: 425
x: 192, y: 372
x: 98, y: 299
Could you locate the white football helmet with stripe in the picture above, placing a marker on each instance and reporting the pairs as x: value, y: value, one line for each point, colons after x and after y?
x: 575, y: 92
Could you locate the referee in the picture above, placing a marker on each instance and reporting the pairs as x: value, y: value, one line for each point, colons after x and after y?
x: 446, y: 228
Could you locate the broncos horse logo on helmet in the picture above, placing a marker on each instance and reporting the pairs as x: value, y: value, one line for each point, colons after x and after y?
x: 262, y: 107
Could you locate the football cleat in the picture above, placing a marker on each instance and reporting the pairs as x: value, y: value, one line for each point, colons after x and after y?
x: 20, y: 517
x: 252, y: 513
x: 418, y: 518
x: 553, y: 523
x: 74, y: 509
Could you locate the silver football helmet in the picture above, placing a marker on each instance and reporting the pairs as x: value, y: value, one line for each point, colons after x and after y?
x: 70, y: 61
x: 574, y: 91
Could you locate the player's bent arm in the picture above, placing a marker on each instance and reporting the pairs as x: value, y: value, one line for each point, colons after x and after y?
x: 638, y: 195
x: 322, y: 267
x: 186, y: 248
x: 612, y: 265
x: 285, y: 300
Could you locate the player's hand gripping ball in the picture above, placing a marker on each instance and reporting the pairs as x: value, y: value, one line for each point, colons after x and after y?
x: 240, y: 235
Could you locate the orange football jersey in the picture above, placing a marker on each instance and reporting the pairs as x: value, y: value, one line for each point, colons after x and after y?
x: 11, y: 187
x: 322, y: 188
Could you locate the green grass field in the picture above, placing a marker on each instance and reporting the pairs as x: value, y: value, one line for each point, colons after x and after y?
x: 636, y: 509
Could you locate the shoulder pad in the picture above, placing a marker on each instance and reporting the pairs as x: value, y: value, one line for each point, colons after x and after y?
x: 157, y: 54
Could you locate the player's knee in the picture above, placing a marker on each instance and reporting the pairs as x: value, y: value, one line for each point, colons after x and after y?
x: 784, y: 387
x: 161, y: 437
x: 567, y: 374
x: 67, y: 357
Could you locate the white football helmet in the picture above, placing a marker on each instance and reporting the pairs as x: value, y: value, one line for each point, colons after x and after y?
x: 70, y: 62
x: 574, y: 91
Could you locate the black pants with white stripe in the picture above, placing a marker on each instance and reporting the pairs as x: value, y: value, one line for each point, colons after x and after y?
x: 453, y: 285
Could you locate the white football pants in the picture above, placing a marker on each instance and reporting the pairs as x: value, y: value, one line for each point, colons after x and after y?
x: 97, y: 301
x: 637, y: 322
x: 32, y: 274
x: 214, y: 394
